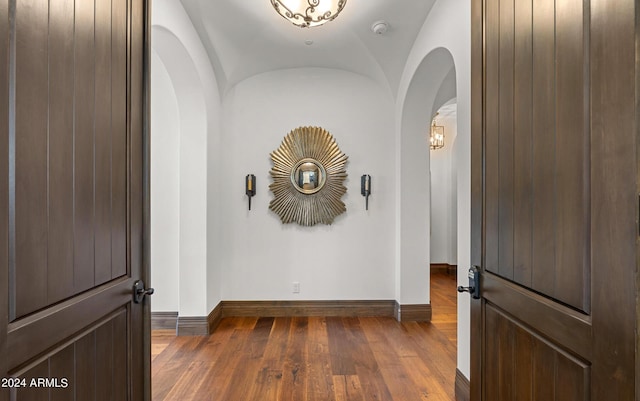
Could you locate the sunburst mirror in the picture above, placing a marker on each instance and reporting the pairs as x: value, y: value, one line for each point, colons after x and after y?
x: 308, y: 175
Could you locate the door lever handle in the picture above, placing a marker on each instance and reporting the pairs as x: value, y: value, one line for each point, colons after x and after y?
x: 470, y: 290
x: 139, y: 291
x: 474, y: 283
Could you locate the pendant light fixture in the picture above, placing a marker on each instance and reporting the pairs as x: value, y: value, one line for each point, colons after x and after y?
x: 308, y: 13
x: 436, y: 135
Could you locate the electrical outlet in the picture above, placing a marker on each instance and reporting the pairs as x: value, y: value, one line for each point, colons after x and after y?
x: 296, y: 287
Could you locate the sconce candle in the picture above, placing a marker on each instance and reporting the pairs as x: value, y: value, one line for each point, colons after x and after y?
x: 365, y: 188
x: 250, y: 187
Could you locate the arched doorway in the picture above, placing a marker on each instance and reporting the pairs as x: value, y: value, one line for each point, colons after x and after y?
x: 432, y: 85
x: 178, y: 178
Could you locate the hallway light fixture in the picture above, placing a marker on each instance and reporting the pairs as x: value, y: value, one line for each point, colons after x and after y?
x: 250, y: 187
x: 436, y: 135
x: 365, y: 188
x: 308, y: 13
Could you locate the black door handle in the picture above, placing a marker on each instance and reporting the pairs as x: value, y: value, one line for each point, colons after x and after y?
x: 466, y: 289
x: 474, y: 283
x: 139, y: 291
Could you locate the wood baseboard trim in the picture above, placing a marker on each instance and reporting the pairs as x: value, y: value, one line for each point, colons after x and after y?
x: 214, y: 318
x: 204, y: 325
x: 164, y: 320
x: 444, y: 267
x: 462, y: 387
x: 413, y: 312
x: 308, y: 308
x: 193, y: 326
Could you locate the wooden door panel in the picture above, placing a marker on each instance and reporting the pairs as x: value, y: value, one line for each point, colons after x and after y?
x: 119, y: 144
x: 522, y: 365
x: 572, y: 155
x: 35, y: 334
x: 555, y: 199
x: 28, y: 209
x: 62, y: 365
x: 505, y: 138
x: 614, y: 204
x: 537, y: 203
x: 72, y: 171
x: 71, y: 177
x: 61, y: 91
x: 87, y: 365
x: 103, y: 133
x: 522, y: 144
x: 33, y: 393
x: 542, y: 142
x: 491, y: 118
x: 558, y: 323
x: 85, y: 375
x: 84, y: 112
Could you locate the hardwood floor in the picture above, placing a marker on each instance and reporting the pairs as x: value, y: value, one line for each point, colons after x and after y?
x: 444, y: 304
x: 314, y: 358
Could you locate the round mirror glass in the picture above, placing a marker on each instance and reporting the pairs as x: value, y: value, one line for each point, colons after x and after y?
x: 308, y: 176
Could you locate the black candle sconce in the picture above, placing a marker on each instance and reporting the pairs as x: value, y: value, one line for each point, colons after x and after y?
x: 365, y: 188
x: 250, y: 187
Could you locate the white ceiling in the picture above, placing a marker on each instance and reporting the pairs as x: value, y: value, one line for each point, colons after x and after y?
x: 449, y: 109
x: 247, y: 37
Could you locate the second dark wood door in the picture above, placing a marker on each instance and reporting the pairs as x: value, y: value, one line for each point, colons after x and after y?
x: 554, y: 191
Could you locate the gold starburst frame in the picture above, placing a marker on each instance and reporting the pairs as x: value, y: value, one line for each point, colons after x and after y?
x: 308, y: 175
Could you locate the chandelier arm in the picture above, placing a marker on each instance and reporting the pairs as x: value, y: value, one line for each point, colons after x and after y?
x: 307, y: 17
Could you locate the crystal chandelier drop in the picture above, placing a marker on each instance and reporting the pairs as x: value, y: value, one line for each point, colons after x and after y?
x: 436, y: 136
x: 308, y: 13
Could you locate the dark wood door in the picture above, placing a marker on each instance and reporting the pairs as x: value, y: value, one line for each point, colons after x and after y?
x: 72, y: 190
x: 554, y: 199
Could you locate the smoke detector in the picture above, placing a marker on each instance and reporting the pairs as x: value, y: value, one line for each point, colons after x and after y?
x: 379, y: 27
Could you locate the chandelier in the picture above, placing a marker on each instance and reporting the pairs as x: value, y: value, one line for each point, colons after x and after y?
x: 436, y: 136
x: 308, y: 13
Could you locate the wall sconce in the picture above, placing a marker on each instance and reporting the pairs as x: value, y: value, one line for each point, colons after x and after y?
x: 250, y: 187
x: 365, y: 188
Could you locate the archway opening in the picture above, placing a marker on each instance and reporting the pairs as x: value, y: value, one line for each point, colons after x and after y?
x: 429, y: 187
x: 178, y: 178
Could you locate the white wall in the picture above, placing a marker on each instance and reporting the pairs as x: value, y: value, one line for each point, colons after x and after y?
x: 413, y: 181
x: 178, y: 46
x: 448, y: 26
x: 453, y: 223
x: 443, y: 188
x: 259, y: 256
x: 165, y: 189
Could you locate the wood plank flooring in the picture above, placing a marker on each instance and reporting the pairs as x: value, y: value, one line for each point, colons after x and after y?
x: 314, y: 358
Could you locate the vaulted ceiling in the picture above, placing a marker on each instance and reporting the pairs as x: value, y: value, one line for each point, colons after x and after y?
x: 247, y: 37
